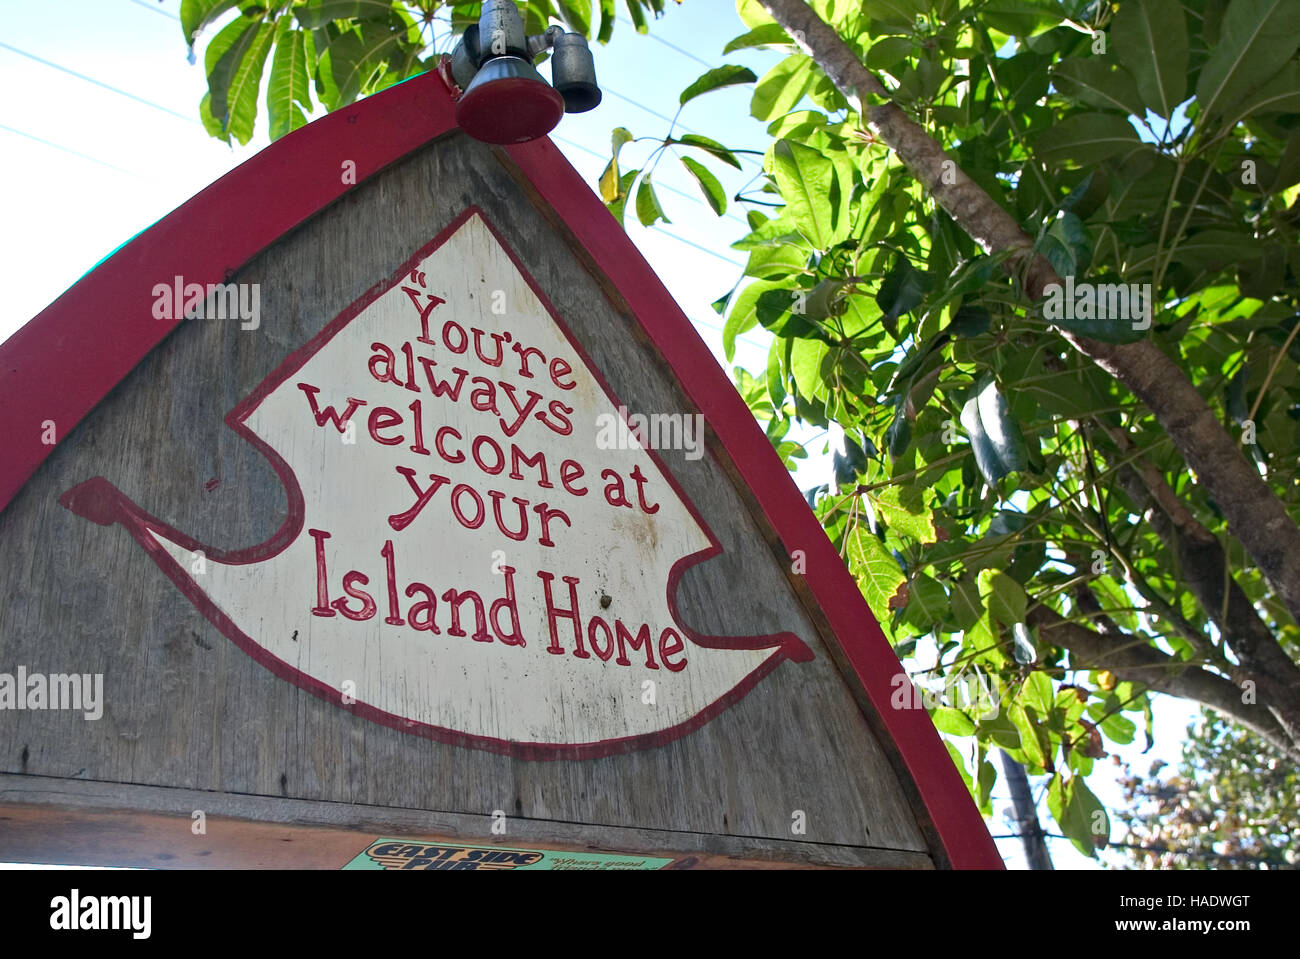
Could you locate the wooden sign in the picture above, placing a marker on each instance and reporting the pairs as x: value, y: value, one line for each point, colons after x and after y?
x: 387, y: 492
x: 471, y: 520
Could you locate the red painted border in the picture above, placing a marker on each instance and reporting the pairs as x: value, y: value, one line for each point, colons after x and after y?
x: 63, y: 362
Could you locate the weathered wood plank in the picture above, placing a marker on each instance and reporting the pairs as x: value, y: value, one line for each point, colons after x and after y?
x: 109, y: 824
x: 185, y: 708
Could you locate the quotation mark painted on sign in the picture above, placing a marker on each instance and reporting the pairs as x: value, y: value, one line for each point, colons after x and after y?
x: 48, y: 433
x: 349, y: 173
x: 799, y: 562
x: 648, y: 692
x: 349, y: 692
x: 498, y: 822
x: 798, y: 823
x: 199, y: 826
x: 198, y: 562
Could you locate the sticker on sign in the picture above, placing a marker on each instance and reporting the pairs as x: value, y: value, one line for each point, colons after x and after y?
x: 416, y: 854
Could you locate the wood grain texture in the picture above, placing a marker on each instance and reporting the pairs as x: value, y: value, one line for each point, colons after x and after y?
x: 98, y: 824
x: 185, y: 708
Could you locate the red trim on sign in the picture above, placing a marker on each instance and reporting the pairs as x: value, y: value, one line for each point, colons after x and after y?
x: 58, y: 366
x: 103, y: 326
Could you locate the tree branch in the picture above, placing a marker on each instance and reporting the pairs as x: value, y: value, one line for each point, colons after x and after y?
x: 1257, y: 517
x: 1206, y: 570
x: 1141, y: 663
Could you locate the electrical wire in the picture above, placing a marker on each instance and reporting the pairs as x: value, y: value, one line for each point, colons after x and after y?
x: 99, y: 83
x: 75, y: 153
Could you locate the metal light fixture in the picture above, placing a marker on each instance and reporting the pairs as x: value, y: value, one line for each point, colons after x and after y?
x: 505, y: 99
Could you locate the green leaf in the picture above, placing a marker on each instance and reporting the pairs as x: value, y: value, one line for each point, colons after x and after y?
x: 995, y: 435
x: 967, y: 603
x: 952, y: 721
x: 317, y: 13
x: 807, y: 358
x: 358, y: 54
x: 782, y: 87
x: 1020, y: 18
x: 709, y: 185
x: 1150, y: 38
x: 1006, y: 598
x: 235, y: 59
x: 1081, y: 815
x: 804, y: 177
x: 927, y: 605
x: 775, y: 373
x: 610, y: 180
x: 899, y: 435
x: 1099, y: 83
x: 288, y: 92
x: 618, y: 204
x: 1107, y: 320
x: 1256, y: 40
x: 767, y: 35
x: 777, y: 260
x: 899, y: 13
x: 1037, y: 692
x: 1067, y: 246
x: 955, y: 755
x: 1086, y: 139
x: 607, y: 17
x: 577, y: 14
x: 197, y: 14
x: 1279, y: 95
x: 902, y: 289
x: 1031, y: 737
x: 712, y: 147
x: 903, y: 510
x: 875, y: 569
x: 886, y: 52
x: 724, y: 76
x: 648, y: 209
x: 1119, y: 729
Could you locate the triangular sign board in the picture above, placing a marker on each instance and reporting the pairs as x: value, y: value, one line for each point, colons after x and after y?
x: 411, y: 427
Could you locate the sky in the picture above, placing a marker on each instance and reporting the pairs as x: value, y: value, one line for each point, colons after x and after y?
x: 93, y: 159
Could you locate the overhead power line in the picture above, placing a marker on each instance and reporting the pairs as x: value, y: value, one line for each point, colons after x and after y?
x: 59, y: 146
x: 156, y: 8
x: 99, y: 83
